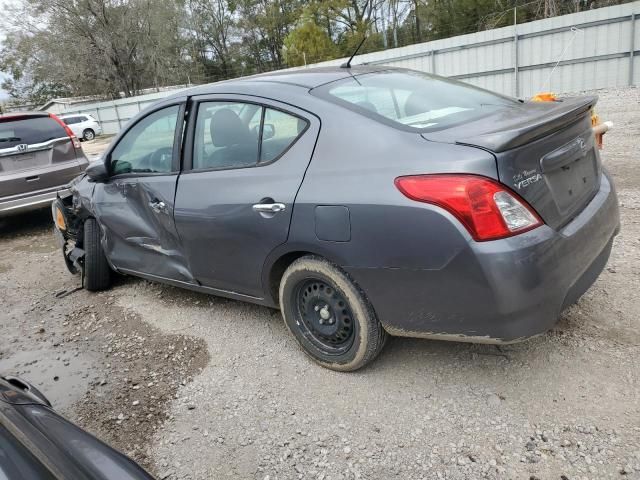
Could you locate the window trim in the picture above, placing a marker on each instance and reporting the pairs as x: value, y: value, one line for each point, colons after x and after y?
x: 177, y: 143
x: 187, y: 164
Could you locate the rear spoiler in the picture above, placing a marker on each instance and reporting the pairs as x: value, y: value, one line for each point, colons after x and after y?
x: 515, y: 127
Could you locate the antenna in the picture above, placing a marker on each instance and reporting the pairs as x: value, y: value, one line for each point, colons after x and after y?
x: 348, y: 64
x: 575, y: 31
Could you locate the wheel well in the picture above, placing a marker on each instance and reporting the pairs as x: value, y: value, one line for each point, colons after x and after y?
x: 278, y: 269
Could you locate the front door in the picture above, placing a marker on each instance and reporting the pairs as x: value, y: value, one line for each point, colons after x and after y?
x: 135, y: 207
x: 234, y: 204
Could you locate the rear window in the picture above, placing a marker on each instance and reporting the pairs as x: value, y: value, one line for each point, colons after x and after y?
x: 413, y: 100
x: 29, y: 131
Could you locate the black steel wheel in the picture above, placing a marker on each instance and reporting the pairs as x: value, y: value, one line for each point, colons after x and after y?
x: 325, y: 318
x: 329, y: 315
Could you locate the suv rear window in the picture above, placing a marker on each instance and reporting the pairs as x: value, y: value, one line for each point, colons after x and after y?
x: 413, y: 100
x: 29, y: 130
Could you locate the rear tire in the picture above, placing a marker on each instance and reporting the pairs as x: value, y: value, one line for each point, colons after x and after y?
x: 97, y: 273
x: 329, y: 315
x: 88, y: 135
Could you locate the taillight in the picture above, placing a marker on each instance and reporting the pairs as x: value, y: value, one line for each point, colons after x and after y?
x: 74, y: 139
x: 486, y: 208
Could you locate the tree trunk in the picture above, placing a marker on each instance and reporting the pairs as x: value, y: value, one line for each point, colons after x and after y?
x: 418, y: 33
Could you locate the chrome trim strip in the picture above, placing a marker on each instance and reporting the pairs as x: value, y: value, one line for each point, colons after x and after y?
x: 35, y: 147
x: 28, y: 201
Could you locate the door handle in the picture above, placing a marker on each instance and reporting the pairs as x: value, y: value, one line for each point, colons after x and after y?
x: 158, y: 206
x: 269, y: 207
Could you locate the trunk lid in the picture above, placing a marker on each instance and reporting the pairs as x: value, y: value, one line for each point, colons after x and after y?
x: 35, y: 153
x: 545, y: 152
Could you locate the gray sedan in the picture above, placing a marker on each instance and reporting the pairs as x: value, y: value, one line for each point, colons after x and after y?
x: 363, y: 202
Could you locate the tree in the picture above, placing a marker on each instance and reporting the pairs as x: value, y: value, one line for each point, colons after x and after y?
x: 210, y: 26
x: 97, y: 46
x: 28, y: 82
x: 308, y: 43
x: 265, y: 25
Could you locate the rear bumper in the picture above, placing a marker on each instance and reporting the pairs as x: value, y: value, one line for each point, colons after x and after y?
x: 500, y: 291
x: 29, y: 201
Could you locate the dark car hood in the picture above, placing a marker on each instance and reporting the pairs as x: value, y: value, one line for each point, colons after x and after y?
x: 43, y: 445
x: 515, y: 126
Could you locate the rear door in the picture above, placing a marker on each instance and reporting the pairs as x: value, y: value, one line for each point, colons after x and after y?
x: 244, y: 163
x: 35, y: 154
x: 135, y: 206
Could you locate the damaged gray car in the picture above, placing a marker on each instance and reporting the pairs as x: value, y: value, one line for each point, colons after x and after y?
x: 363, y: 202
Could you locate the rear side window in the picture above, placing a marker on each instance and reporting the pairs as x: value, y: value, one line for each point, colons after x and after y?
x: 413, y: 100
x: 29, y: 131
x: 279, y: 132
x: 238, y: 135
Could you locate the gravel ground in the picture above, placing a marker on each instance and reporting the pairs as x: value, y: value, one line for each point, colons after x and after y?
x: 199, y: 387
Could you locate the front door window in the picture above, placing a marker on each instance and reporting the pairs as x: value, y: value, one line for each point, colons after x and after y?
x: 148, y: 146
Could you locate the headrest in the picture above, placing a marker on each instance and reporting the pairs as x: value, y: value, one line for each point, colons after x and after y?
x: 227, y: 129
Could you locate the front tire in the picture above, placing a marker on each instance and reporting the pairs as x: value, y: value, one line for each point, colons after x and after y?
x: 97, y: 273
x: 329, y: 315
x: 88, y: 135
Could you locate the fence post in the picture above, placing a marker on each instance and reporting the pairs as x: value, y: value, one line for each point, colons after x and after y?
x: 115, y: 107
x: 632, y: 48
x: 433, y: 62
x: 515, y: 53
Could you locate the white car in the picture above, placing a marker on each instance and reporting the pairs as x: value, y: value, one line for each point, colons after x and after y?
x: 85, y: 127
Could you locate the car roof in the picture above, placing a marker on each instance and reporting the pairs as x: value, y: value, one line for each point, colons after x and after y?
x: 307, y: 78
x: 22, y: 115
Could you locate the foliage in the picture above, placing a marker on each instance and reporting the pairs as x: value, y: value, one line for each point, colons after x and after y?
x: 117, y: 48
x: 308, y: 43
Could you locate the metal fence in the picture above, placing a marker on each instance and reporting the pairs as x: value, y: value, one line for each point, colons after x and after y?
x: 585, y: 51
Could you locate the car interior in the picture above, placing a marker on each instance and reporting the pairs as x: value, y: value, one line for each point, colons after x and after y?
x: 228, y: 135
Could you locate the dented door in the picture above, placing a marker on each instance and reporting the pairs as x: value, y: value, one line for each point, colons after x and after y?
x: 135, y: 207
x: 136, y: 215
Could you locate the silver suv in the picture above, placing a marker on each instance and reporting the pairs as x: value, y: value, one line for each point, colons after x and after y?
x: 39, y: 155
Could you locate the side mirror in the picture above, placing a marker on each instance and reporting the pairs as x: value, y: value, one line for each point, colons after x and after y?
x: 268, y: 131
x: 97, y: 171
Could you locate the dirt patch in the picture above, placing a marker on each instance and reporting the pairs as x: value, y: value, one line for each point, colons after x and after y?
x: 94, y: 148
x: 143, y: 371
x: 101, y: 365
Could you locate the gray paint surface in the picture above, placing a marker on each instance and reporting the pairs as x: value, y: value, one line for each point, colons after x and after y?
x: 38, y: 444
x: 419, y: 267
